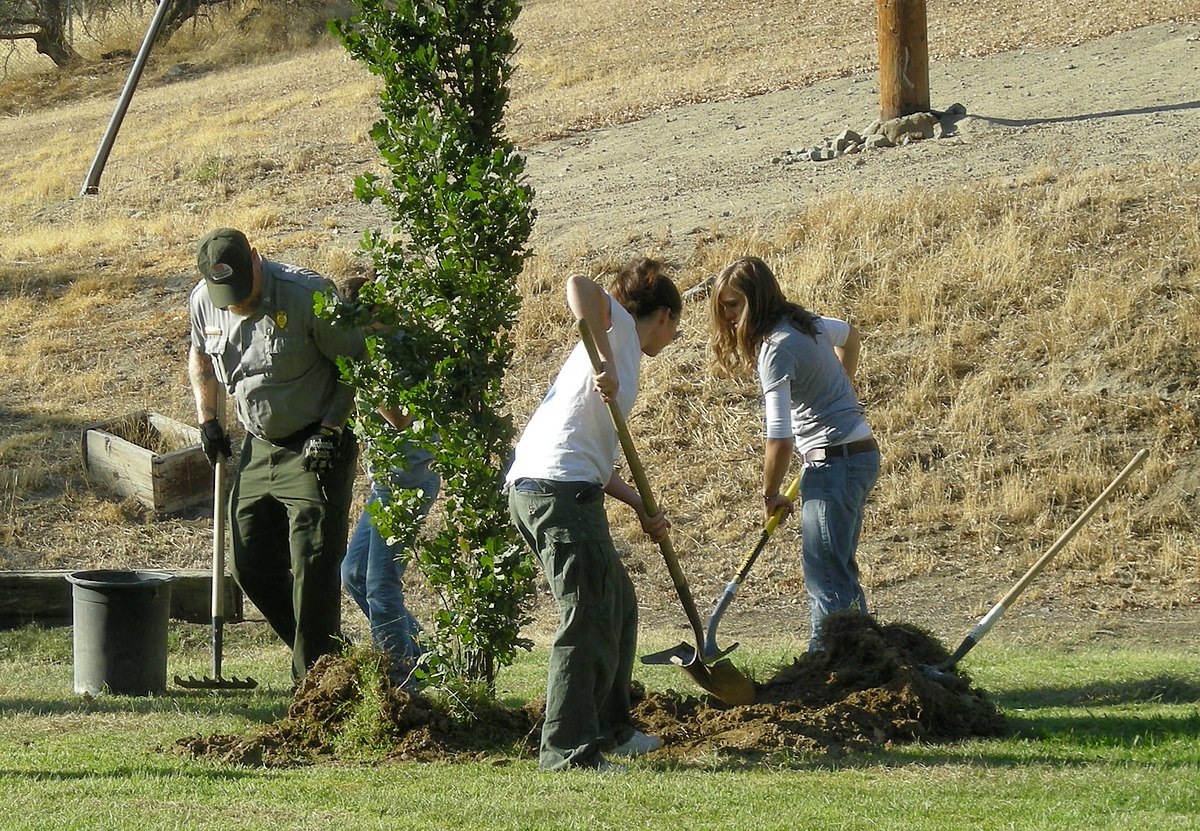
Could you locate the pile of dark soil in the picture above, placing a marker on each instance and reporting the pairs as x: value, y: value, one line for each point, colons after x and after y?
x: 867, y: 690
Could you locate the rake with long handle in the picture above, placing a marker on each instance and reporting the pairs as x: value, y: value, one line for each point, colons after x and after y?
x: 217, y: 681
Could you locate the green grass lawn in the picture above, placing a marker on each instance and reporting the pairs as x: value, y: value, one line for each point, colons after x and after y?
x: 1104, y: 738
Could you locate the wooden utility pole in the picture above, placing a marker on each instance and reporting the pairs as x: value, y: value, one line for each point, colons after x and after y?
x: 903, y: 58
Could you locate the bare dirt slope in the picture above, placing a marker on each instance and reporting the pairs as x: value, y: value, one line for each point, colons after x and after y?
x: 1129, y: 97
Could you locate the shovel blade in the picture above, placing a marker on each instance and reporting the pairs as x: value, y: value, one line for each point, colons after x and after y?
x: 722, y: 678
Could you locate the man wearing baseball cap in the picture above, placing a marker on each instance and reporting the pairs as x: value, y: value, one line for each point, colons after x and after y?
x: 255, y: 333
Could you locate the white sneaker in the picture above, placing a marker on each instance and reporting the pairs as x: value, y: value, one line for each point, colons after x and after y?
x: 606, y: 766
x: 639, y: 744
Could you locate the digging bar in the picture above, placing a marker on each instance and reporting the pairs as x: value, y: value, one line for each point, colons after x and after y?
x: 217, y: 681
x: 722, y: 678
x: 989, y: 620
x: 711, y: 650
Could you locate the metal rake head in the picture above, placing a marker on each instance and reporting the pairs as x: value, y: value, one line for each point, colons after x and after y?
x: 215, y: 683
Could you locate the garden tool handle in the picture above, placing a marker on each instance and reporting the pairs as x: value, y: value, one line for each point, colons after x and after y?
x: 643, y: 489
x: 218, y: 541
x: 997, y: 611
x: 1066, y: 536
x: 792, y: 491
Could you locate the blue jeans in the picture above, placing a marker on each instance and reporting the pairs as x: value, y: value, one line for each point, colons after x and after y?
x: 372, y: 571
x: 833, y: 496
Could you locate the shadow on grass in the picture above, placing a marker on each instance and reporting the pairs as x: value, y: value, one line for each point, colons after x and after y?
x: 1091, y: 730
x: 214, y: 773
x: 259, y: 709
x: 1159, y: 689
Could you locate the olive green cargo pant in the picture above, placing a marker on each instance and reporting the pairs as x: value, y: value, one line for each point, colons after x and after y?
x: 289, y: 530
x: 592, y: 655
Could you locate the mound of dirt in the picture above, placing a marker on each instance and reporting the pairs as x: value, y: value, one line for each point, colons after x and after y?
x: 338, y: 697
x: 867, y: 690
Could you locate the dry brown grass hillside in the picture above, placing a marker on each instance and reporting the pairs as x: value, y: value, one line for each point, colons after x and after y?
x: 1026, y: 332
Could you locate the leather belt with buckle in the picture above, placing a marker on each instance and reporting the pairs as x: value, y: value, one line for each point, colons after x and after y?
x: 839, y: 451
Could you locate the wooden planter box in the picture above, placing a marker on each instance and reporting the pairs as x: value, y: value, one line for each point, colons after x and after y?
x: 151, y: 458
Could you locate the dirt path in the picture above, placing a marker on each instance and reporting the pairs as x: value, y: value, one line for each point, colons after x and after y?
x: 1131, y: 97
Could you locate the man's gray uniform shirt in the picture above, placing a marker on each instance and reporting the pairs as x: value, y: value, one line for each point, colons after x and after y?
x: 279, y: 364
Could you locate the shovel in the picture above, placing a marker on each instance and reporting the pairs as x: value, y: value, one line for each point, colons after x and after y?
x: 216, y: 681
x: 973, y: 637
x: 722, y: 678
x: 711, y: 650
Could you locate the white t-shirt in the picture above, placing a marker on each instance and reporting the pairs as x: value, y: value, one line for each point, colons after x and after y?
x: 571, y: 437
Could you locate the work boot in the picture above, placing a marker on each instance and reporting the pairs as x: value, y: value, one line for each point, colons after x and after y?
x: 638, y: 744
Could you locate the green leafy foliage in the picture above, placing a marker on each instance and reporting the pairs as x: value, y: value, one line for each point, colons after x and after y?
x: 444, y: 299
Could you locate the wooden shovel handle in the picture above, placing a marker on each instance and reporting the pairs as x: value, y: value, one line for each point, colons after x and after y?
x: 643, y: 489
x: 1066, y: 536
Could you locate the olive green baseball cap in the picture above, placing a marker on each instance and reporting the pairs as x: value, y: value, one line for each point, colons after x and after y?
x: 224, y: 259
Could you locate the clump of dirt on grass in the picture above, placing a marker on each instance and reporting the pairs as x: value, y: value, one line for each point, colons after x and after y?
x: 866, y: 690
x: 342, y: 705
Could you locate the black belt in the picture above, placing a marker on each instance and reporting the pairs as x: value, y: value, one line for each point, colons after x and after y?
x: 580, y: 491
x: 296, y: 437
x: 301, y: 435
x: 840, y: 451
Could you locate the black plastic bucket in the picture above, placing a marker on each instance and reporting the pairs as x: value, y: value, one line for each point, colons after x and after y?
x: 120, y: 631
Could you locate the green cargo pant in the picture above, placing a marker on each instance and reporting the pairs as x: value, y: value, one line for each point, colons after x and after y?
x: 592, y: 655
x: 289, y: 531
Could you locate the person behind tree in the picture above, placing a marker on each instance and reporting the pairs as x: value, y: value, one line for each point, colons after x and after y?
x: 373, y: 570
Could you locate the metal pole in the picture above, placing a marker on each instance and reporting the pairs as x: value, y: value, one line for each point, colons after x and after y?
x: 91, y: 185
x: 903, y: 58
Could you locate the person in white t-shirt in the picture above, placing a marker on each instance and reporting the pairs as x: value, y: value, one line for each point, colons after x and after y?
x: 562, y: 468
x: 805, y: 364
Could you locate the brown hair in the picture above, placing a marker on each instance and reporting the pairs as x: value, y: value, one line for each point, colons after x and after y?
x: 736, y: 344
x: 353, y: 286
x: 643, y: 289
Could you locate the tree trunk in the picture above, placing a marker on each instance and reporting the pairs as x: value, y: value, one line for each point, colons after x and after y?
x: 50, y: 38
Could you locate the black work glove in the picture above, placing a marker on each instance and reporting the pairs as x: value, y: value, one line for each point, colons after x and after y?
x: 214, y: 440
x: 321, y: 450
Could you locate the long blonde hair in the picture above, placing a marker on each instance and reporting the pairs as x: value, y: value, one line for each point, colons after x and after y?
x: 736, y: 344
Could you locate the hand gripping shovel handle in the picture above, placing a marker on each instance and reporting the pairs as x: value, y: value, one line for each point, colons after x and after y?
x: 714, y: 618
x: 643, y: 489
x: 989, y: 620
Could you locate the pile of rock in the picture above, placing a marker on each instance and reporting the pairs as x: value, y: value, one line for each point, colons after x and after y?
x: 892, y: 133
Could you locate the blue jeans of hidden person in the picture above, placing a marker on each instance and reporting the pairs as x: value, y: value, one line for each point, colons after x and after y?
x: 833, y: 496
x: 373, y: 570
